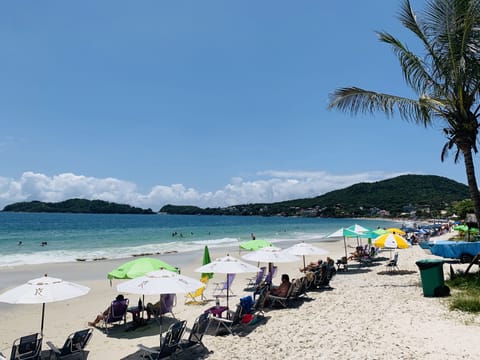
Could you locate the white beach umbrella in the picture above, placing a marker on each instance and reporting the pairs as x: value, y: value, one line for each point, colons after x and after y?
x: 228, y: 265
x: 43, y: 290
x: 270, y: 254
x: 160, y: 282
x: 303, y: 249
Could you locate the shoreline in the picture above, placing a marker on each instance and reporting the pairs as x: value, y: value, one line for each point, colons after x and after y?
x: 329, y: 325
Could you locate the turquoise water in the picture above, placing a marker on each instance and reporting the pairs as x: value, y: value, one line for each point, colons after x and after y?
x: 71, y: 237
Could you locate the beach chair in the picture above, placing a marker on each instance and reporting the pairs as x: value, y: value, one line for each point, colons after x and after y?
x: 74, y: 346
x: 271, y: 275
x: 167, y: 304
x: 170, y: 343
x: 392, y: 265
x: 197, y: 296
x: 342, y: 264
x: 257, y: 280
x: 228, y: 323
x: 117, y: 313
x: 196, y: 333
x: 222, y: 286
x: 27, y: 348
x: 283, y: 301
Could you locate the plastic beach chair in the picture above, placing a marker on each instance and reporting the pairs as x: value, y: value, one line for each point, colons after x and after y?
x: 75, y: 344
x: 27, y: 348
x: 170, y: 343
x: 222, y: 286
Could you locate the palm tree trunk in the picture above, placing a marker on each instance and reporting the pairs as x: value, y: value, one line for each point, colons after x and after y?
x: 472, y: 182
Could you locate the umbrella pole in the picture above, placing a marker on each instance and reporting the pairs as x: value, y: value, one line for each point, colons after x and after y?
x: 160, y: 322
x: 228, y: 289
x: 43, y: 317
x: 345, y: 246
x: 304, y: 262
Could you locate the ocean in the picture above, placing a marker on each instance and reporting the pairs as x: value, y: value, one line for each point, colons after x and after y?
x: 88, y: 237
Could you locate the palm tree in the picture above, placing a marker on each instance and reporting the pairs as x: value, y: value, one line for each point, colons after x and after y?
x: 446, y: 79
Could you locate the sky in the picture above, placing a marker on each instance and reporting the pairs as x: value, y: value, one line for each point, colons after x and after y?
x: 206, y: 103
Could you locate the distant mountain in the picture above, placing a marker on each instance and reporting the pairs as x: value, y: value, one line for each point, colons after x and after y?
x: 426, y: 194
x: 76, y: 206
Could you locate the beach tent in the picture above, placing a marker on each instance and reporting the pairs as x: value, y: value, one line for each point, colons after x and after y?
x: 253, y: 245
x: 43, y: 290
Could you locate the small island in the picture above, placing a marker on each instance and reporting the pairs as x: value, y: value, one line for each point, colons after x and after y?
x: 76, y: 206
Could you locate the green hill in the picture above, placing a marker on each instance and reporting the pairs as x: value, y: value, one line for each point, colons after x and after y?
x: 76, y: 206
x: 422, y: 194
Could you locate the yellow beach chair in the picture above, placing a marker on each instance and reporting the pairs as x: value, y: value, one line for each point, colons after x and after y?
x: 197, y: 297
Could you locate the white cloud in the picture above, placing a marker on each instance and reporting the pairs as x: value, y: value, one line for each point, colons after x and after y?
x: 269, y: 186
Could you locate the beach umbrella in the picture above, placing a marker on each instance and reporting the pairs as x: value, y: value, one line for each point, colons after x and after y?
x: 396, y: 231
x: 160, y: 282
x: 303, y: 249
x: 391, y: 241
x: 270, y: 254
x: 139, y: 267
x: 358, y: 228
x: 227, y: 265
x: 380, y: 231
x: 461, y: 228
x: 206, y: 260
x: 343, y: 232
x: 43, y: 290
x: 253, y: 245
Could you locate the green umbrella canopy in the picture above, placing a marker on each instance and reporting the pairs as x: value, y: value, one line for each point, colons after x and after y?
x: 253, y: 245
x: 461, y: 228
x: 380, y: 231
x: 139, y: 267
x: 369, y: 235
x: 206, y: 260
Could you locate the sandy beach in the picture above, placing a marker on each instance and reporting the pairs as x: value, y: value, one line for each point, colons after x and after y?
x: 366, y: 315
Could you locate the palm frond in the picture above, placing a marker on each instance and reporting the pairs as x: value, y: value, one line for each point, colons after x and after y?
x: 355, y: 100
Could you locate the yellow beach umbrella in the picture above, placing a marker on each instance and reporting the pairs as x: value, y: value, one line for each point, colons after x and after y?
x: 391, y: 241
x: 396, y: 231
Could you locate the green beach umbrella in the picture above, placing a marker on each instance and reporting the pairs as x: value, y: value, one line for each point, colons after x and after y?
x: 461, y: 228
x: 254, y: 245
x: 206, y: 260
x: 139, y: 267
x: 359, y: 228
x: 380, y: 231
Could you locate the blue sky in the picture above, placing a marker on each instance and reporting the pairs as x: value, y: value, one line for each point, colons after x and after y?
x: 209, y: 103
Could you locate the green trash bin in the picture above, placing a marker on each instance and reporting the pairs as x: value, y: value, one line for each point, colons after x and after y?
x: 431, y: 273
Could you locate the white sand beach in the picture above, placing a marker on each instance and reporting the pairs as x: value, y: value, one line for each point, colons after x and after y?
x: 366, y: 315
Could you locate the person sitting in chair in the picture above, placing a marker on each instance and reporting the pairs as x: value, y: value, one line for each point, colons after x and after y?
x: 162, y: 306
x: 104, y: 315
x: 281, y: 290
x: 313, y: 266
